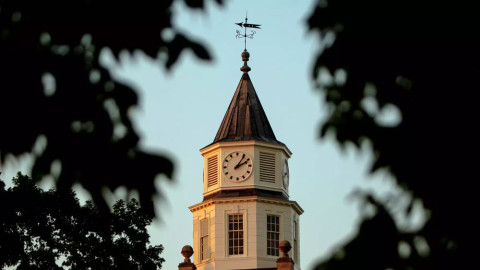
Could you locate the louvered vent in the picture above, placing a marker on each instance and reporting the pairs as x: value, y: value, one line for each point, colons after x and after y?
x: 212, y: 171
x: 267, y: 167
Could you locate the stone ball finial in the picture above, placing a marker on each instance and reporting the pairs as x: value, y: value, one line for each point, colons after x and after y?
x: 245, y: 56
x: 187, y: 252
x: 285, y: 247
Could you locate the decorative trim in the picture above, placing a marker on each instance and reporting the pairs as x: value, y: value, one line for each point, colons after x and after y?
x: 227, y: 193
x: 214, y: 201
x: 214, y: 146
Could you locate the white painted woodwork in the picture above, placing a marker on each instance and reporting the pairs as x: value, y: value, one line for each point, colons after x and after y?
x: 253, y: 149
x: 255, y: 210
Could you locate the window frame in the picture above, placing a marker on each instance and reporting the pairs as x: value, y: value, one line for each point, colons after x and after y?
x: 296, y: 247
x: 204, y: 243
x: 236, y: 246
x: 273, y: 229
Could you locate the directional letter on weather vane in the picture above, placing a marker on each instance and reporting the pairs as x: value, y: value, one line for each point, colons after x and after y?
x: 246, y: 25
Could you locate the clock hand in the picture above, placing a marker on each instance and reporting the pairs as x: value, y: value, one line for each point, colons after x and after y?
x: 238, y: 164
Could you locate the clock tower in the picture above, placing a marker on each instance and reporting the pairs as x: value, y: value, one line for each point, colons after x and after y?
x: 246, y: 210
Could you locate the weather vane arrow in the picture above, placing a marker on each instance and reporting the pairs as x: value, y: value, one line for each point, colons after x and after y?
x: 246, y: 25
x: 250, y: 25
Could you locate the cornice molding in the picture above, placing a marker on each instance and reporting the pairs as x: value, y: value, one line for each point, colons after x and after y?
x: 217, y: 145
x: 214, y: 201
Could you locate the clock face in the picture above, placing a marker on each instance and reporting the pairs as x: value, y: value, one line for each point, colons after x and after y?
x: 285, y: 174
x: 237, y: 166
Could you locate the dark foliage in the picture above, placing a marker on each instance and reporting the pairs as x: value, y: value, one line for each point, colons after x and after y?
x: 420, y: 56
x: 40, y: 229
x: 423, y: 57
x: 54, y: 91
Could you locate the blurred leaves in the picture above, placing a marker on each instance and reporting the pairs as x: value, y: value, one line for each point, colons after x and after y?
x: 54, y: 90
x: 51, y: 230
x: 421, y: 57
x: 369, y: 249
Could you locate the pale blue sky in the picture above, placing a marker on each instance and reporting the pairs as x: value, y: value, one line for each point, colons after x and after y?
x: 181, y: 110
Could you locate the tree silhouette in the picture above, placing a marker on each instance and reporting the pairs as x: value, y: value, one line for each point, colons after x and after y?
x: 421, y: 57
x: 51, y: 230
x: 60, y: 104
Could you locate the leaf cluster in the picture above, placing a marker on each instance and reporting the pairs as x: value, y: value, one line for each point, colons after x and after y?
x: 422, y: 58
x: 51, y: 230
x: 62, y: 106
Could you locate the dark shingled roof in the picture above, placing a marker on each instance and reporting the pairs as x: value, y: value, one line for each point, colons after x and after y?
x: 245, y: 119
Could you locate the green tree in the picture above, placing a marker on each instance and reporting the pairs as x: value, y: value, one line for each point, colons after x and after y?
x: 421, y: 57
x: 51, y: 230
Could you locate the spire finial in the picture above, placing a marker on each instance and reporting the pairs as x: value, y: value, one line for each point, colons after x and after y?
x: 246, y: 25
x: 245, y: 54
x: 245, y: 57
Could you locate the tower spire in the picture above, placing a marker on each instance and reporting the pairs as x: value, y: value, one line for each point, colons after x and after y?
x: 245, y: 118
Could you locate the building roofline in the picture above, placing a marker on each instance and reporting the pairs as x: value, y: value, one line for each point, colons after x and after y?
x: 213, y: 201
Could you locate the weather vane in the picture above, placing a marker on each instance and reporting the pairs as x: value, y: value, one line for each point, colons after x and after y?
x: 246, y: 25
